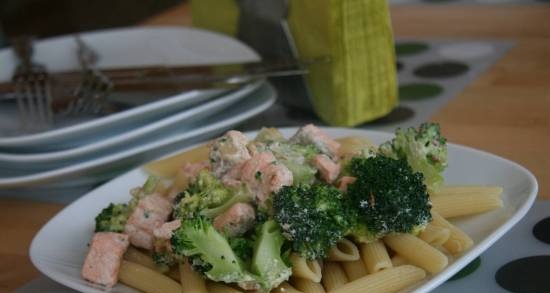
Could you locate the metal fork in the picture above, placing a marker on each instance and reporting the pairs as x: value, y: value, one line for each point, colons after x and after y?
x: 91, y: 94
x: 32, y: 88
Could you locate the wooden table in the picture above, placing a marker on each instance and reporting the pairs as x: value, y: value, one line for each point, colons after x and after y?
x: 506, y: 111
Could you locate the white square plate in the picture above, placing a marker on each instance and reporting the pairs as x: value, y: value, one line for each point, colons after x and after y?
x: 58, y: 250
x: 150, y: 46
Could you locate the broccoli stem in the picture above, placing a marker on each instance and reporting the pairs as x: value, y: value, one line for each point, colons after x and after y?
x: 266, y: 261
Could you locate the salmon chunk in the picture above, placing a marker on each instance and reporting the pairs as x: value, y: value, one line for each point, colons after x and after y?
x: 191, y: 170
x: 310, y: 134
x: 227, y: 152
x: 238, y: 219
x: 264, y: 175
x: 165, y: 231
x: 344, y: 182
x: 151, y: 212
x: 104, y: 257
x: 328, y: 169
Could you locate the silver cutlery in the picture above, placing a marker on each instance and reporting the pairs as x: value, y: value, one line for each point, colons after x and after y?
x: 31, y: 88
x: 90, y: 95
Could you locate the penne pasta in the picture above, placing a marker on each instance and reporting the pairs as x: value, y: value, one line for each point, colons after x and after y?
x: 305, y: 269
x: 398, y: 260
x: 354, y: 269
x: 191, y: 281
x: 307, y: 286
x: 168, y: 167
x: 385, y: 281
x: 285, y: 288
x: 217, y: 287
x: 435, y: 235
x: 375, y: 256
x: 136, y: 256
x: 333, y: 276
x: 353, y: 145
x: 179, y: 184
x: 146, y: 279
x: 234, y: 162
x: 456, y: 205
x: 417, y: 252
x: 458, y: 240
x: 467, y: 189
x: 344, y: 250
x: 174, y: 273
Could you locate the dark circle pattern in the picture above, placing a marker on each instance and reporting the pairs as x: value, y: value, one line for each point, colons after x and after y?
x: 467, y: 270
x: 410, y: 48
x: 542, y: 231
x: 399, y: 65
x: 399, y: 114
x: 525, y: 275
x: 441, y: 69
x: 416, y: 91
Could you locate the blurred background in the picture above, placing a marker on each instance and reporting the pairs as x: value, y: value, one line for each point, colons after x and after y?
x: 42, y: 18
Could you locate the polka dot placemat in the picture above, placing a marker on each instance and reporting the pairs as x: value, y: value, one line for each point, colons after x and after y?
x: 467, y: 1
x: 519, y: 262
x: 430, y: 73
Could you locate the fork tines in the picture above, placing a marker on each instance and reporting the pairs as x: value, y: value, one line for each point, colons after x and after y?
x: 33, y: 98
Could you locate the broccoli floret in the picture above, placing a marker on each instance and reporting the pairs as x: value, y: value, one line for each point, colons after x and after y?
x: 198, y: 238
x: 112, y: 218
x: 267, y: 262
x: 388, y: 197
x: 424, y: 149
x: 296, y: 158
x: 208, y: 197
x: 164, y: 259
x: 312, y: 217
x: 243, y: 247
x: 140, y: 192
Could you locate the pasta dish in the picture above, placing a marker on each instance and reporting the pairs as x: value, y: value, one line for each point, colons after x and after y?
x: 308, y: 213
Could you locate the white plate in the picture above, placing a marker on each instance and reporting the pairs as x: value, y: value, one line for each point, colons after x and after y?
x: 97, y: 167
x: 120, y: 48
x: 58, y: 250
x: 136, y: 136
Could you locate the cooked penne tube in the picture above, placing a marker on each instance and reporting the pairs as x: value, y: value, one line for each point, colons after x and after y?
x: 136, y: 256
x: 353, y: 145
x: 306, y: 269
x: 344, y: 250
x: 286, y: 288
x: 456, y: 205
x: 435, y: 235
x: 398, y: 260
x: 179, y: 184
x: 146, y: 279
x: 354, y: 269
x: 174, y: 273
x: 458, y: 241
x: 417, y: 252
x: 333, y: 276
x: 168, y: 167
x: 161, y: 188
x: 375, y: 256
x: 218, y: 287
x: 467, y: 189
x: 307, y: 286
x: 191, y: 281
x: 385, y: 281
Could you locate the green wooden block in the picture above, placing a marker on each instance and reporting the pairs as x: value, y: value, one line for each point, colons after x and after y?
x: 359, y: 84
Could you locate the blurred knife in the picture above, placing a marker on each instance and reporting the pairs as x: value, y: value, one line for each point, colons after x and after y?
x: 181, y: 77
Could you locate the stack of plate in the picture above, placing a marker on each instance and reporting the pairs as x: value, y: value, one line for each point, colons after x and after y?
x: 78, y: 153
